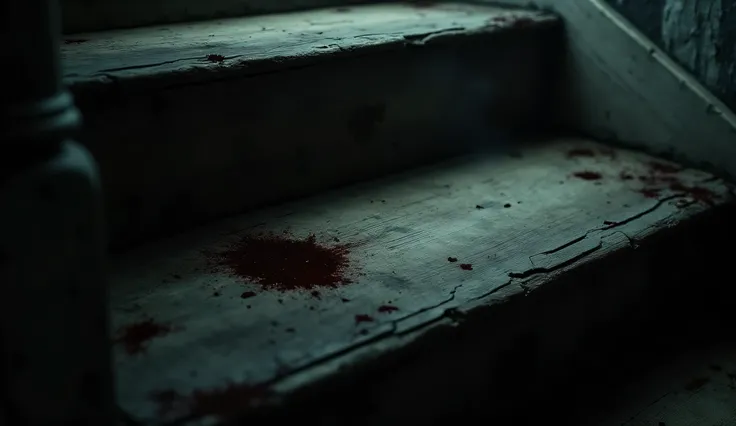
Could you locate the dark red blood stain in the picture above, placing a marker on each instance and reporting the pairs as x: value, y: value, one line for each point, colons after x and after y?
x: 588, y: 175
x: 363, y: 318
x: 387, y: 309
x: 223, y: 403
x: 215, y: 58
x: 697, y: 193
x: 345, y: 300
x: 452, y: 259
x: 247, y: 295
x: 650, y: 192
x: 282, y: 263
x: 664, y: 168
x: 135, y: 337
x: 580, y: 152
x: 75, y: 41
x: 466, y: 266
x: 626, y: 176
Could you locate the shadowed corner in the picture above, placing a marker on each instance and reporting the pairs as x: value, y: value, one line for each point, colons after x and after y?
x: 470, y: 105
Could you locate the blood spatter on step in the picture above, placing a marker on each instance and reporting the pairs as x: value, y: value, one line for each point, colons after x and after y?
x: 284, y: 263
x: 452, y: 259
x: 361, y: 318
x: 135, y: 337
x: 466, y: 266
x: 662, y: 176
x: 650, y: 192
x: 387, y: 309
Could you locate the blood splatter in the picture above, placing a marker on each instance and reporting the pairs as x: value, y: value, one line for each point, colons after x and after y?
x: 247, y: 295
x: 283, y: 263
x: 507, y: 205
x: 588, y: 175
x: 466, y: 266
x: 580, y: 152
x: 650, y: 192
x: 697, y: 193
x: 452, y: 259
x: 75, y: 40
x: 135, y: 337
x: 363, y: 318
x: 661, y: 177
x: 387, y: 309
x: 223, y: 403
x: 215, y: 58
x: 345, y: 300
x: 626, y: 176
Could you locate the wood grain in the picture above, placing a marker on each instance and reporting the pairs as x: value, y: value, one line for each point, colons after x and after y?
x: 191, y: 141
x: 407, y: 227
x: 213, y: 49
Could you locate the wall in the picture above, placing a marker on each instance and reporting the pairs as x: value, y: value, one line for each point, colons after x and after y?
x: 700, y: 34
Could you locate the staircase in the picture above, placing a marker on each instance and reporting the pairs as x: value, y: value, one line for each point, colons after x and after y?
x: 469, y: 179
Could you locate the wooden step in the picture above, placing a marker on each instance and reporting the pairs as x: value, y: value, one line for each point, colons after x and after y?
x: 444, y: 281
x: 194, y: 122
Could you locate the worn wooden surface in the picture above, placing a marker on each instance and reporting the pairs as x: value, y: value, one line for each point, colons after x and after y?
x: 174, y: 156
x: 82, y: 15
x: 537, y: 221
x: 623, y: 87
x: 185, y: 53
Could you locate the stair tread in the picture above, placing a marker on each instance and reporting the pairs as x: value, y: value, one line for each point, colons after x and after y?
x: 215, y: 49
x: 515, y: 219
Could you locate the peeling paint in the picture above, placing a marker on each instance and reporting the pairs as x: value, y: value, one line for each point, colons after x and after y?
x: 691, y: 33
x: 699, y: 34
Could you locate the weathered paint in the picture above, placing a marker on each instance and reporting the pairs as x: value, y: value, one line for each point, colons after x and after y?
x: 700, y: 34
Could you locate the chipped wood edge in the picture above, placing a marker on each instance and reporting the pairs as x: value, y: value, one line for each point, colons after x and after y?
x: 366, y: 360
x: 285, y: 51
x: 622, y: 87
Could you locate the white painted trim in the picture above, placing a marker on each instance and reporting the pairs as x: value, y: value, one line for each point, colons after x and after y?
x: 623, y: 87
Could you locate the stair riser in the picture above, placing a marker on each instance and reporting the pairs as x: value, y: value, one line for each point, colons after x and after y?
x: 189, y: 154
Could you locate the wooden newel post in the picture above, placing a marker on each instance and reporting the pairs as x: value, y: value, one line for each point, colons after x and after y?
x: 55, y: 364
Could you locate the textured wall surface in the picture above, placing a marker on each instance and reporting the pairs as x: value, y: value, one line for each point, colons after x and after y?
x: 700, y: 34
